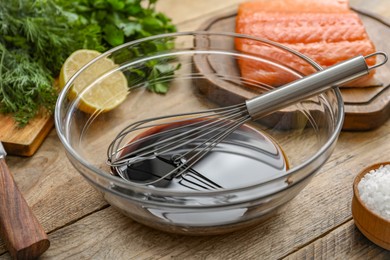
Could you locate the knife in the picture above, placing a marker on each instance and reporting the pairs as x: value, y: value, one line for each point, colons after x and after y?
x: 23, y: 234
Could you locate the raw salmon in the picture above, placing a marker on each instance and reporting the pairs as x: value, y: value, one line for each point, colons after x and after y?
x: 295, y: 6
x: 326, y: 31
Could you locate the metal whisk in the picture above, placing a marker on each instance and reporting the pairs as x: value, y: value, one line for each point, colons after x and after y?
x: 181, y: 140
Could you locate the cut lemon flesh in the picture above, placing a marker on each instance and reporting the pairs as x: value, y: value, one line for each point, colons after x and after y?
x: 100, y: 87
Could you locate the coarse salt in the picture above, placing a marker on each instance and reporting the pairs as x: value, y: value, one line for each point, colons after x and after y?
x: 374, y: 191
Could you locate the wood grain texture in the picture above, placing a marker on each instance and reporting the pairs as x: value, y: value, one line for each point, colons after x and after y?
x: 345, y: 242
x: 55, y: 191
x: 24, y: 141
x: 24, y: 236
x: 181, y: 14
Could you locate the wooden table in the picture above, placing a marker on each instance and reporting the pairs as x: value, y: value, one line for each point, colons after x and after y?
x: 317, y: 223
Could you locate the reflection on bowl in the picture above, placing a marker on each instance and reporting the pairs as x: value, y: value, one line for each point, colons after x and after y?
x: 205, y: 76
x: 375, y: 227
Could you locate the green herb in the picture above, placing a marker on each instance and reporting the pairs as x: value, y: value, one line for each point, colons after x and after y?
x: 120, y: 20
x: 35, y: 39
x: 36, y: 36
x: 123, y: 21
x: 25, y: 85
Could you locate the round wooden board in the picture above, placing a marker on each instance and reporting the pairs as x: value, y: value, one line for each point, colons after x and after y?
x: 365, y: 108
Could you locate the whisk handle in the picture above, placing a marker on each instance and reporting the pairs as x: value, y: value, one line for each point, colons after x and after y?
x: 311, y: 85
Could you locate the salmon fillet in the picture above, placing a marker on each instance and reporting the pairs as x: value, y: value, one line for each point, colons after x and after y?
x: 326, y: 31
x: 295, y: 6
x: 320, y: 27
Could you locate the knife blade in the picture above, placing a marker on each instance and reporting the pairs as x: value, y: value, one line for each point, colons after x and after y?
x: 24, y: 236
x: 3, y: 153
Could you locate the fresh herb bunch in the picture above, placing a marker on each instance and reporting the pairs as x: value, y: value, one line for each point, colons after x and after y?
x: 36, y: 36
x: 154, y: 74
x: 35, y: 39
x: 121, y: 21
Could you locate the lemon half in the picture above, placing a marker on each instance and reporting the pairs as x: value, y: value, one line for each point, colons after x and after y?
x: 98, y: 87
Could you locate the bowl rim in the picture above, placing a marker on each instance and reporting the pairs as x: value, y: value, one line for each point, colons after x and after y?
x: 160, y: 191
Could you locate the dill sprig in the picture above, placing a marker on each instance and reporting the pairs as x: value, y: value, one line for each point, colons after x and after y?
x: 26, y: 87
x: 36, y: 37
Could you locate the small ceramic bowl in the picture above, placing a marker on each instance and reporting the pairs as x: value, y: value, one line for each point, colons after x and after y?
x: 372, y: 225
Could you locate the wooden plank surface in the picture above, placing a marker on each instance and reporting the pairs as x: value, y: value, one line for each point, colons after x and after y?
x: 316, y: 223
x: 57, y: 194
x: 24, y: 141
x: 342, y: 243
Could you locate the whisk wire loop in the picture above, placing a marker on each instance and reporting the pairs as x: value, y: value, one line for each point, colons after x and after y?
x: 198, y: 126
x: 185, y: 165
x: 202, y: 133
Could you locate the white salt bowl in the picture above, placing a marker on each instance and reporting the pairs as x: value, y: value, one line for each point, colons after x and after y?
x: 373, y: 226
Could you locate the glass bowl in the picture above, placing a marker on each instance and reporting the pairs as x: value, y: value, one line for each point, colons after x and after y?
x: 202, y: 71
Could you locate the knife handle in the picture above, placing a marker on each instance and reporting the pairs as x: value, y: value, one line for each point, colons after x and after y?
x: 23, y: 234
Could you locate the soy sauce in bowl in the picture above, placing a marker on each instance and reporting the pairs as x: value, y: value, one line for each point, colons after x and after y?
x: 245, y: 157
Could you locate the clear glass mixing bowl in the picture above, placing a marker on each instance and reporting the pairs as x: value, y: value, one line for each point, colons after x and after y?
x: 201, y: 71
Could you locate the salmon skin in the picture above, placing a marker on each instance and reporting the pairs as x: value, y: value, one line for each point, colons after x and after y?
x: 326, y: 31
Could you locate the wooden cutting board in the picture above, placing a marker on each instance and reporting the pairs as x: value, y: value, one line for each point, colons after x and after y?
x: 365, y: 108
x: 24, y: 141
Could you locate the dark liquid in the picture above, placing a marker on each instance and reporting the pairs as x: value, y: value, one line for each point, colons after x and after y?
x: 246, y: 157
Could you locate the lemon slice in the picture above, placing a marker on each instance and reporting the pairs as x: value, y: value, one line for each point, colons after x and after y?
x: 97, y: 88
